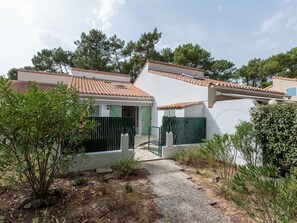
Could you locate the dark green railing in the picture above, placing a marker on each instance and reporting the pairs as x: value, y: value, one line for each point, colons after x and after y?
x: 185, y: 130
x: 107, y: 135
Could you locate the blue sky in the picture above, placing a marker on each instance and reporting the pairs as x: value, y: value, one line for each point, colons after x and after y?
x: 236, y: 30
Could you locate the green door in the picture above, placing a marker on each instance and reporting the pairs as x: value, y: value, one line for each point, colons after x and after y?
x: 146, y: 119
x: 115, y: 111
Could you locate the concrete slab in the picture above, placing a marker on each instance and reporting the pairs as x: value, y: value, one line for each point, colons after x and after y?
x: 104, y: 170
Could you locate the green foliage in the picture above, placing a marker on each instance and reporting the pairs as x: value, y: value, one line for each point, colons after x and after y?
x: 32, y: 127
x: 223, y: 70
x: 245, y: 141
x: 126, y: 166
x: 220, y: 148
x: 92, y: 51
x: 80, y: 180
x: 192, y: 56
x: 194, y: 157
x: 264, y: 195
x: 55, y: 60
x: 276, y: 128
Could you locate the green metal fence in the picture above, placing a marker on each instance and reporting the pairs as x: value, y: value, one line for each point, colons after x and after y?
x: 185, y: 130
x: 107, y: 135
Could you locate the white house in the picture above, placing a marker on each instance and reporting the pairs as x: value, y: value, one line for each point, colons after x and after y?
x: 286, y: 85
x: 114, y: 94
x: 185, y: 92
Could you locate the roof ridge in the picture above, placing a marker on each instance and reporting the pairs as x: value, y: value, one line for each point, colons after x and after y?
x: 207, y: 82
x: 100, y: 72
x: 98, y: 79
x: 285, y: 78
x: 37, y: 82
x: 175, y: 65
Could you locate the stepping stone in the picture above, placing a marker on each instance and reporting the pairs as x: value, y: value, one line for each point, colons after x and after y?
x: 104, y: 170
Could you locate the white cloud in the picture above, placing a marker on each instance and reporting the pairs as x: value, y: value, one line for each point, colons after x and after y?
x: 104, y: 13
x: 221, y: 8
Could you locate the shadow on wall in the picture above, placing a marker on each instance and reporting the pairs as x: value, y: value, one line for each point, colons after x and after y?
x: 225, y: 115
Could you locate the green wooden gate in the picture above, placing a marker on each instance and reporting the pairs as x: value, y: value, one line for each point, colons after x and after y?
x: 185, y: 130
x: 115, y: 111
x: 145, y: 119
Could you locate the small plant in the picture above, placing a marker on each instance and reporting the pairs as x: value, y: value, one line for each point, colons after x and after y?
x: 220, y: 149
x: 126, y: 166
x: 194, y: 157
x: 128, y: 188
x: 79, y: 181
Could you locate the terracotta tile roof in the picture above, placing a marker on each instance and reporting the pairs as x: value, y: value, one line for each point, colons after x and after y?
x: 101, y: 87
x: 22, y: 86
x: 284, y: 78
x: 268, y: 87
x: 209, y: 82
x: 180, y: 105
x: 174, y: 65
x: 43, y: 72
x: 100, y: 72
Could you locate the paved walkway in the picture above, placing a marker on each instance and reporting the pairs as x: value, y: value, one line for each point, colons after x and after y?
x: 178, y: 198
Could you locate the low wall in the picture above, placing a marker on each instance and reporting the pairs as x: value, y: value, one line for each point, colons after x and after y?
x: 92, y: 161
x: 170, y: 150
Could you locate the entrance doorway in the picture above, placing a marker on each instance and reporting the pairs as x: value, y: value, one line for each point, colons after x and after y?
x: 131, y: 111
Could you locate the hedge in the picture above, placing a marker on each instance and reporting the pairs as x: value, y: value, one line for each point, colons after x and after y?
x: 276, y: 128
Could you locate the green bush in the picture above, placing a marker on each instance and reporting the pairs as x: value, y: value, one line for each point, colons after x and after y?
x: 276, y: 129
x: 32, y: 127
x: 264, y: 195
x: 194, y: 157
x: 126, y: 166
x: 79, y: 181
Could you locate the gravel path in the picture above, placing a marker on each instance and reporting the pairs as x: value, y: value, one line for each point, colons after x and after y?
x: 178, y: 198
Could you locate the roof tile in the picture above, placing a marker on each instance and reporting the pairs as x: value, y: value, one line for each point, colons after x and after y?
x: 101, y: 87
x: 209, y: 82
x: 180, y: 105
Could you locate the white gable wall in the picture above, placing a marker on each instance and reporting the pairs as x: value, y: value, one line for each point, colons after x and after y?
x: 225, y: 115
x: 222, y: 118
x: 168, y: 91
x: 43, y: 77
x: 102, y: 76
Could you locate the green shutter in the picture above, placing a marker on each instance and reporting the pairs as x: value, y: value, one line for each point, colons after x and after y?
x: 115, y: 111
x: 146, y: 119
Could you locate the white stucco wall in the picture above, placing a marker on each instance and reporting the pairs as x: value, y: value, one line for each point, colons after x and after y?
x: 168, y: 91
x: 102, y: 76
x: 104, y: 110
x: 225, y: 115
x: 180, y: 113
x: 43, y: 77
x: 194, y: 111
x: 282, y: 85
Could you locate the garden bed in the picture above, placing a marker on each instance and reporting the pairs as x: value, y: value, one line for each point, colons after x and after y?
x: 99, y: 198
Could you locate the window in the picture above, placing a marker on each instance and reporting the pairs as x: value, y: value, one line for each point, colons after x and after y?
x: 291, y: 91
x: 169, y: 113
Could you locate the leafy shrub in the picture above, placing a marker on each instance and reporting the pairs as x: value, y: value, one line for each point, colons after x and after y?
x: 265, y: 195
x: 32, y: 127
x: 276, y: 129
x: 79, y: 181
x: 194, y: 157
x: 126, y: 166
x: 244, y: 140
x: 220, y: 148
